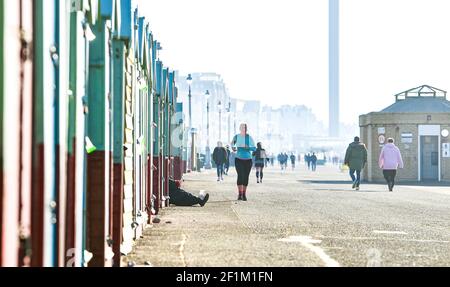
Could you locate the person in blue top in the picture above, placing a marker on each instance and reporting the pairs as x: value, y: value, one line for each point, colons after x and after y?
x: 244, y: 146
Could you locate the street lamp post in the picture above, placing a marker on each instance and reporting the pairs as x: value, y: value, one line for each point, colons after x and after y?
x: 192, y: 155
x: 219, y: 105
x: 189, y: 81
x: 235, y: 125
x: 229, y: 121
x: 208, y: 148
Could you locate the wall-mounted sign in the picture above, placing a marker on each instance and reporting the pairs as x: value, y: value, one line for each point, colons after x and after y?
x: 381, y: 139
x: 446, y: 150
x: 445, y: 133
x: 407, y: 138
x: 381, y: 131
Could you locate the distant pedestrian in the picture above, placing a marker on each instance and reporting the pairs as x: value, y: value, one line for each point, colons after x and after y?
x: 280, y: 161
x: 227, y: 163
x: 260, y: 160
x: 285, y: 160
x: 220, y: 158
x: 293, y: 159
x: 308, y: 161
x: 356, y: 159
x: 314, y: 162
x: 244, y: 145
x: 390, y: 160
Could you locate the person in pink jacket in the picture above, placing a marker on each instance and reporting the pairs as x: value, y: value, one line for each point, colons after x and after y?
x: 390, y: 160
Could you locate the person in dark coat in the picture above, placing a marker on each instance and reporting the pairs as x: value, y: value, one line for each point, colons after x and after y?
x: 293, y: 159
x: 179, y: 197
x: 356, y: 159
x: 280, y: 160
x: 227, y: 163
x: 314, y: 162
x: 260, y: 159
x: 285, y: 160
x: 308, y: 160
x: 220, y: 157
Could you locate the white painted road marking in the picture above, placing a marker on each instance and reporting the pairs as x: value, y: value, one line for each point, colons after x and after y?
x: 182, y: 243
x: 385, y: 239
x: 242, y: 220
x: 307, y: 242
x: 389, y: 232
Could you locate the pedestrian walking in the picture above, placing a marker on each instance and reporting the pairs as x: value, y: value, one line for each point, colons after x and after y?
x: 356, y: 159
x: 243, y: 144
x: 293, y: 159
x: 314, y: 162
x: 285, y: 160
x: 280, y: 161
x: 227, y: 163
x: 390, y: 160
x: 260, y: 161
x: 220, y: 158
x: 308, y: 160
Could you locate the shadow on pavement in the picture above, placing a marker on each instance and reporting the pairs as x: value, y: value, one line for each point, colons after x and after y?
x: 208, y: 203
x: 221, y: 201
x: 404, y: 183
x: 348, y: 190
x: 333, y: 182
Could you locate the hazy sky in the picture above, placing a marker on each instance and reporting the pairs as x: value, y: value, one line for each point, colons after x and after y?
x: 277, y: 50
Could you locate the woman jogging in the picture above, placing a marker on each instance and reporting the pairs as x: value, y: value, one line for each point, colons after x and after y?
x: 260, y: 162
x: 390, y: 160
x: 244, y: 145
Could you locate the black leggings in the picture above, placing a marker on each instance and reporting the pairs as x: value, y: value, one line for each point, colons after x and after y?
x: 243, y: 168
x: 389, y: 175
x: 260, y: 172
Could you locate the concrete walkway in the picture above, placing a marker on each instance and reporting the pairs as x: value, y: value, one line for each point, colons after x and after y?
x: 301, y: 219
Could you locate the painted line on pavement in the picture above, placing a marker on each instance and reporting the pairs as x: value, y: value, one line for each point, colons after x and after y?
x: 181, y: 250
x: 308, y: 243
x: 389, y: 232
x: 242, y: 221
x: 385, y: 239
x: 424, y: 240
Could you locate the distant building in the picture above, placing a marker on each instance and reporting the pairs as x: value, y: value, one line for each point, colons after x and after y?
x: 419, y: 121
x: 284, y: 129
x: 289, y: 128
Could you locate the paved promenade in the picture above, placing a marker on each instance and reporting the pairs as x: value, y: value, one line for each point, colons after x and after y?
x: 300, y: 218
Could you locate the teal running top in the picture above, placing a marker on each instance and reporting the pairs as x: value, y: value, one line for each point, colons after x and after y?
x: 245, y: 146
